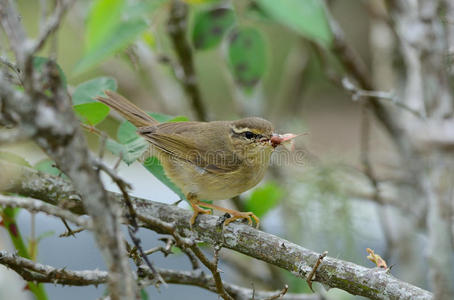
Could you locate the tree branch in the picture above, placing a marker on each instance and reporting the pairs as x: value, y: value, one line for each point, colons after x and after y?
x: 34, y: 205
x: 356, y: 67
x: 52, y: 24
x: 44, y: 109
x: 36, y: 272
x: 334, y: 273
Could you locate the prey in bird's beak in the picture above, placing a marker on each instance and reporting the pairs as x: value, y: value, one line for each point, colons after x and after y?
x: 286, y: 140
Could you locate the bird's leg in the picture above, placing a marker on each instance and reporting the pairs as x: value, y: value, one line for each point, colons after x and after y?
x: 195, y: 206
x: 235, y: 215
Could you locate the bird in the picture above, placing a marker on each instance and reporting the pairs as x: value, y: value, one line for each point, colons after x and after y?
x: 207, y: 160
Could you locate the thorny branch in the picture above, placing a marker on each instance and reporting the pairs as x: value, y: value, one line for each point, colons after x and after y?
x: 32, y: 271
x: 36, y: 272
x: 213, y: 267
x: 168, y: 219
x: 133, y: 228
x: 310, y: 276
x: 49, y: 119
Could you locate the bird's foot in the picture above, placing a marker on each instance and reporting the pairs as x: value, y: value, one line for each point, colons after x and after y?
x: 249, y: 216
x: 197, y: 210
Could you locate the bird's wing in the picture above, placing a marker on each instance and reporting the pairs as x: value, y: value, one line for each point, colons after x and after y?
x: 206, y: 145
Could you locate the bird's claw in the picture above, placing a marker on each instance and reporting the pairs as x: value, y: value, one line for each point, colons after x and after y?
x: 198, y: 210
x: 249, y: 216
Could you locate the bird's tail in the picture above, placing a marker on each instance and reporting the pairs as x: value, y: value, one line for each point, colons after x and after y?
x: 127, y: 109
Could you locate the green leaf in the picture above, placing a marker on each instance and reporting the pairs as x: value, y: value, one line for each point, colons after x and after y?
x: 210, y: 27
x: 39, y: 62
x: 14, y: 158
x: 88, y: 110
x: 129, y: 152
x: 307, y: 17
x: 86, y: 91
x: 247, y: 56
x: 48, y: 166
x: 143, y: 294
x: 153, y: 165
x: 91, y: 113
x: 120, y: 37
x: 103, y: 17
x: 264, y: 198
x: 198, y: 2
x: 175, y: 250
x: 127, y: 132
x: 178, y: 119
x: 139, y: 9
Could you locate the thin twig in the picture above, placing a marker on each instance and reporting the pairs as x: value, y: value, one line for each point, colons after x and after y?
x: 356, y: 67
x: 133, y: 227
x: 34, y: 205
x: 213, y: 267
x: 280, y: 294
x: 71, y: 233
x: 310, y: 276
x: 166, y: 250
x: 359, y: 93
x: 188, y: 243
x: 192, y: 258
x: 51, y: 25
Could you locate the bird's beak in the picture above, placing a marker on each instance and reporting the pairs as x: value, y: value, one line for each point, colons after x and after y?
x: 283, y: 139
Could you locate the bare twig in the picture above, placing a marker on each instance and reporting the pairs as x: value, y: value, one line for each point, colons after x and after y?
x: 311, y: 275
x: 71, y: 233
x: 170, y: 228
x: 354, y: 65
x: 359, y: 93
x: 32, y: 271
x: 280, y: 294
x: 166, y: 250
x: 133, y: 228
x: 213, y: 267
x: 36, y: 272
x: 34, y: 205
x: 51, y: 25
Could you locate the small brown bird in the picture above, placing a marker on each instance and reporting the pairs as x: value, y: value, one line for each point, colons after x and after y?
x: 207, y: 160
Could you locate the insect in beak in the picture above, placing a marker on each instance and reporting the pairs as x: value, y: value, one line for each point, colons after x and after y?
x: 287, y: 140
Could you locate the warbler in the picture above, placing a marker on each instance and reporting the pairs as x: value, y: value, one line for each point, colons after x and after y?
x: 207, y: 160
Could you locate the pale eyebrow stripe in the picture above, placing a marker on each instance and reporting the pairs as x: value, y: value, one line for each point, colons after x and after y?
x: 238, y: 130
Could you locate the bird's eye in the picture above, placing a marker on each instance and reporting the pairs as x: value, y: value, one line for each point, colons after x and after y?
x: 249, y: 135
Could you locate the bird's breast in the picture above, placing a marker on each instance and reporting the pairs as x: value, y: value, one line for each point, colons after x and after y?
x: 213, y: 186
